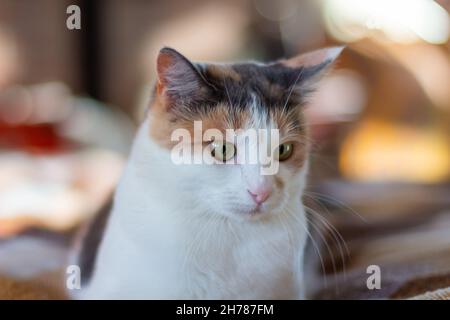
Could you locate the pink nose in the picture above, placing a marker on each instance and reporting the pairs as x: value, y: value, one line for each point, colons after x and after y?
x: 260, y: 195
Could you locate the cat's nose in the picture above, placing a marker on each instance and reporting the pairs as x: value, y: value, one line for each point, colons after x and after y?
x: 260, y: 194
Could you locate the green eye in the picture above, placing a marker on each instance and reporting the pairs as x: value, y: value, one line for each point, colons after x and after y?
x: 284, y: 151
x: 223, y: 151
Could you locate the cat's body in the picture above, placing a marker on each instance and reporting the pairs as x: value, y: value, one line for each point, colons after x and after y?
x: 174, y: 250
x: 208, y: 231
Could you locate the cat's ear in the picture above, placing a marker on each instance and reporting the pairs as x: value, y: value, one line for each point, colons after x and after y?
x: 178, y: 78
x: 322, y: 57
x: 307, y: 69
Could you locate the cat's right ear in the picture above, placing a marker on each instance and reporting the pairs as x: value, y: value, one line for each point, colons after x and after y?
x: 178, y: 78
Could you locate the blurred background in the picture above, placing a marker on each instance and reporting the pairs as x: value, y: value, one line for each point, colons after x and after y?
x: 70, y: 101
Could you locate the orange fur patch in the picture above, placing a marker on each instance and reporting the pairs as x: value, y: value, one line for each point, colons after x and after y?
x: 163, y: 123
x: 222, y: 117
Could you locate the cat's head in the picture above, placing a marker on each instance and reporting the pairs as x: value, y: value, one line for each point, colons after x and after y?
x: 239, y: 96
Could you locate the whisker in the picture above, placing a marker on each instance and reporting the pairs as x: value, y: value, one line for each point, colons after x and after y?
x: 335, y: 233
x: 330, y: 252
x: 316, y: 247
x: 330, y: 199
x: 337, y: 237
x: 292, y: 89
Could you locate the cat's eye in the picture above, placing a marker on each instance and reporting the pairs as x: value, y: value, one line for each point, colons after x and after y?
x: 223, y: 151
x: 284, y: 151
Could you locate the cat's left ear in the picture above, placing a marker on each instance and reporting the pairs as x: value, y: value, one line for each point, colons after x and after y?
x: 325, y: 57
x: 314, y: 64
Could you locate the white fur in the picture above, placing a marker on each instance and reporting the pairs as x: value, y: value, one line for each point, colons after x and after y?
x: 184, y: 232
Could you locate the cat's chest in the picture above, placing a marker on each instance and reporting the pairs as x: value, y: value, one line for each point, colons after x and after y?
x: 262, y: 266
x: 198, y: 259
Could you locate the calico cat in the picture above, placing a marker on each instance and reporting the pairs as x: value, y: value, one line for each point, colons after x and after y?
x: 198, y: 231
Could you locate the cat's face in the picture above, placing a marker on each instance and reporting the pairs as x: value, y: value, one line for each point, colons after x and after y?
x: 249, y: 98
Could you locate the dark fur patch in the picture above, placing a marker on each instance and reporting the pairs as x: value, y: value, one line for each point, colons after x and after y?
x: 88, y: 241
x: 221, y: 94
x: 198, y: 87
x: 273, y: 85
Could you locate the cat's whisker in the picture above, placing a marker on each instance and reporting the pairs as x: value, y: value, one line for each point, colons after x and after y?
x: 325, y: 242
x: 314, y: 244
x: 335, y: 201
x: 335, y: 238
x: 333, y: 231
x: 292, y: 89
x: 338, y: 240
x: 332, y: 228
x: 330, y: 252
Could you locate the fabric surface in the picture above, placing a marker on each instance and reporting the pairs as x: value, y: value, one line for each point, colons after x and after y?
x: 440, y: 294
x: 413, y: 258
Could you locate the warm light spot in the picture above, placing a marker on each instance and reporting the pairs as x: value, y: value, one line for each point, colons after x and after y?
x: 379, y: 151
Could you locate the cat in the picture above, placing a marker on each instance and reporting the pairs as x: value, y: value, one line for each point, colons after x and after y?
x: 198, y: 231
